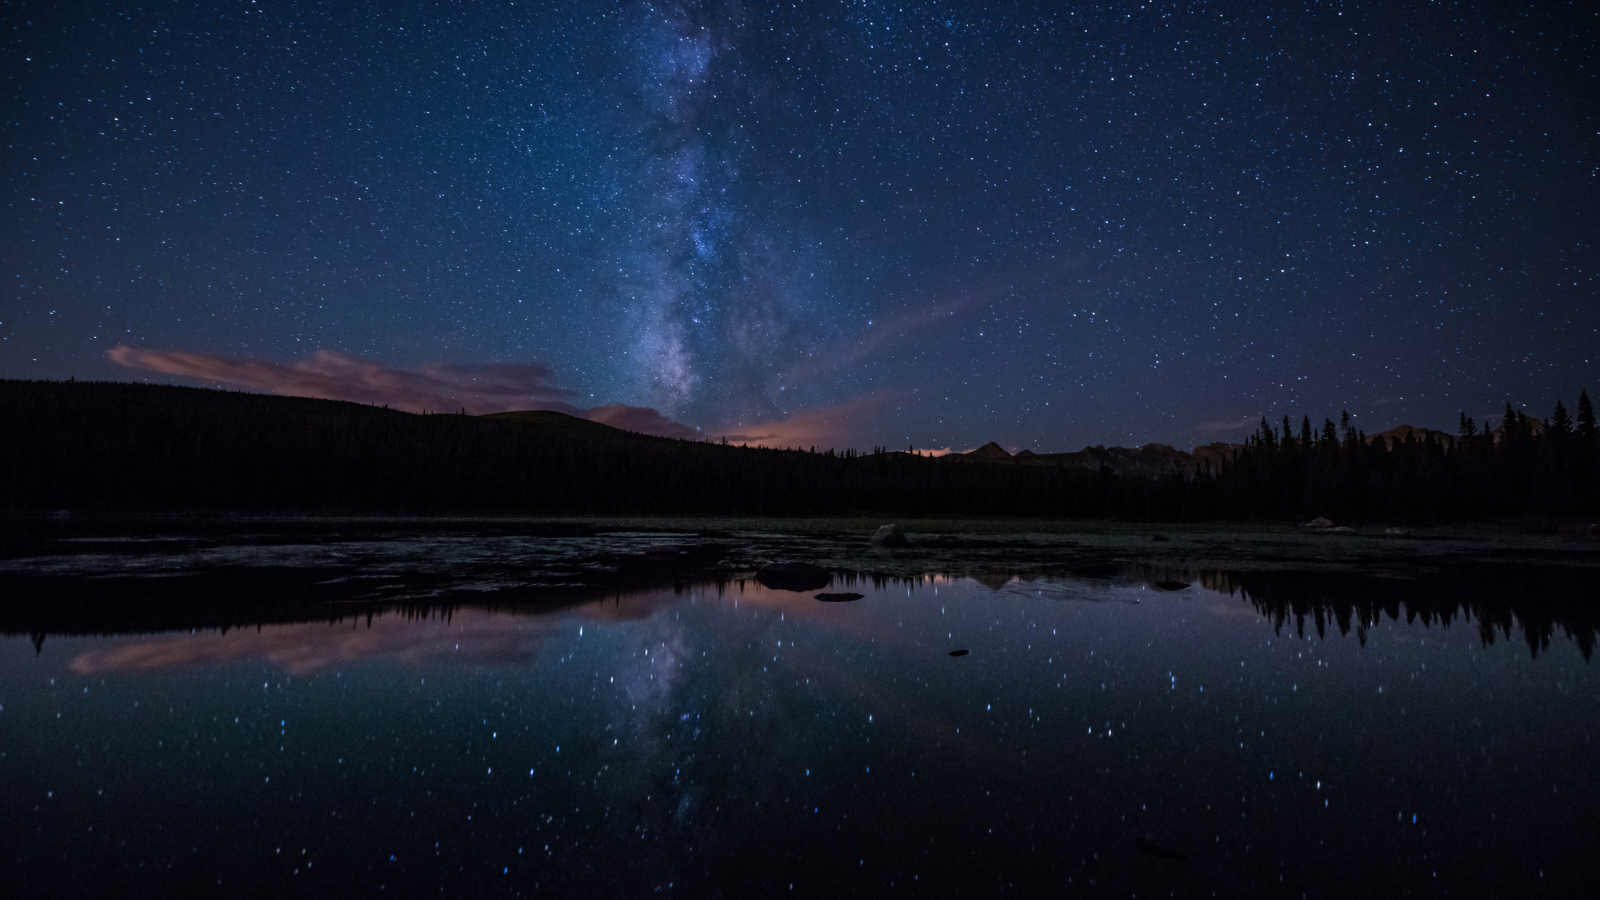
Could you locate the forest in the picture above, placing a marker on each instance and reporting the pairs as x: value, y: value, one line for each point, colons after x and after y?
x: 113, y: 446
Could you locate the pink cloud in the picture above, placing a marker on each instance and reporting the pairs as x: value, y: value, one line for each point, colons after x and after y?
x: 443, y: 387
x: 1221, y: 425
x: 886, y: 330
x: 932, y: 314
x: 829, y: 426
x: 467, y: 637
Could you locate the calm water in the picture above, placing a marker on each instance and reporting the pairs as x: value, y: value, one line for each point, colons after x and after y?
x: 1102, y: 736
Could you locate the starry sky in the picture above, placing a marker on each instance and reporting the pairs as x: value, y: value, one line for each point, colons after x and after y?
x: 843, y: 223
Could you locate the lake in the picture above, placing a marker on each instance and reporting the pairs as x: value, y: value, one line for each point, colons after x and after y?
x: 489, y: 711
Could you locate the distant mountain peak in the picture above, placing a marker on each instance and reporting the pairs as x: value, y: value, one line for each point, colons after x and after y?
x: 990, y: 450
x: 1402, y: 432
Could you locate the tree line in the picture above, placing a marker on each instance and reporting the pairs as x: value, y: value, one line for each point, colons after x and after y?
x: 1548, y: 467
x: 132, y: 447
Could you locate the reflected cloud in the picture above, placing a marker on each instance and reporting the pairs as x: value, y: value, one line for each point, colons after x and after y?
x: 511, y: 628
x: 471, y: 637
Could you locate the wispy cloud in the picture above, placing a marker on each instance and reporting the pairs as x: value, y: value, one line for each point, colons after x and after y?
x: 642, y: 419
x: 479, y: 389
x: 882, y: 332
x: 927, y: 315
x: 495, y: 387
x: 1220, y: 425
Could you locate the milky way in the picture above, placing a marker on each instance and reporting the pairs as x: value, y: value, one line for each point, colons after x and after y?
x: 709, y: 283
x: 849, y: 223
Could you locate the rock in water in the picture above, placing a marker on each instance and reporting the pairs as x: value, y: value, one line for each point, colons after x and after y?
x: 889, y: 536
x: 793, y: 576
x: 958, y: 652
x: 838, y: 598
x: 1318, y: 522
x: 1170, y: 585
x: 1145, y: 845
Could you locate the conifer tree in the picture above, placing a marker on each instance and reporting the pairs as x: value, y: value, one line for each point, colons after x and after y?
x: 1586, y: 457
x: 1560, y: 423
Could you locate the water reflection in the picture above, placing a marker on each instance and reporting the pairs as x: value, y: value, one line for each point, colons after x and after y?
x: 1497, y: 600
x: 1535, y: 603
x: 942, y: 735
x: 511, y: 627
x: 332, y: 571
x: 410, y: 638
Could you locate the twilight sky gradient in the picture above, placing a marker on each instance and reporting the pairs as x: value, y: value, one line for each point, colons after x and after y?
x: 840, y: 223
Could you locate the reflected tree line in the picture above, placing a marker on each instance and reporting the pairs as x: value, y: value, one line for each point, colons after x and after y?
x: 129, y: 447
x: 1502, y: 602
x: 1498, y: 600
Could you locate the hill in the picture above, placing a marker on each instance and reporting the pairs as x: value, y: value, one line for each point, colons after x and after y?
x: 137, y: 447
x: 545, y: 418
x: 134, y: 447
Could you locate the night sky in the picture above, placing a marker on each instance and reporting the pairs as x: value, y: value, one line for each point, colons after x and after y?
x: 840, y: 223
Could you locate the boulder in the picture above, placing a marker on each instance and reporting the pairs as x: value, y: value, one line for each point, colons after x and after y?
x: 889, y: 536
x: 793, y: 576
